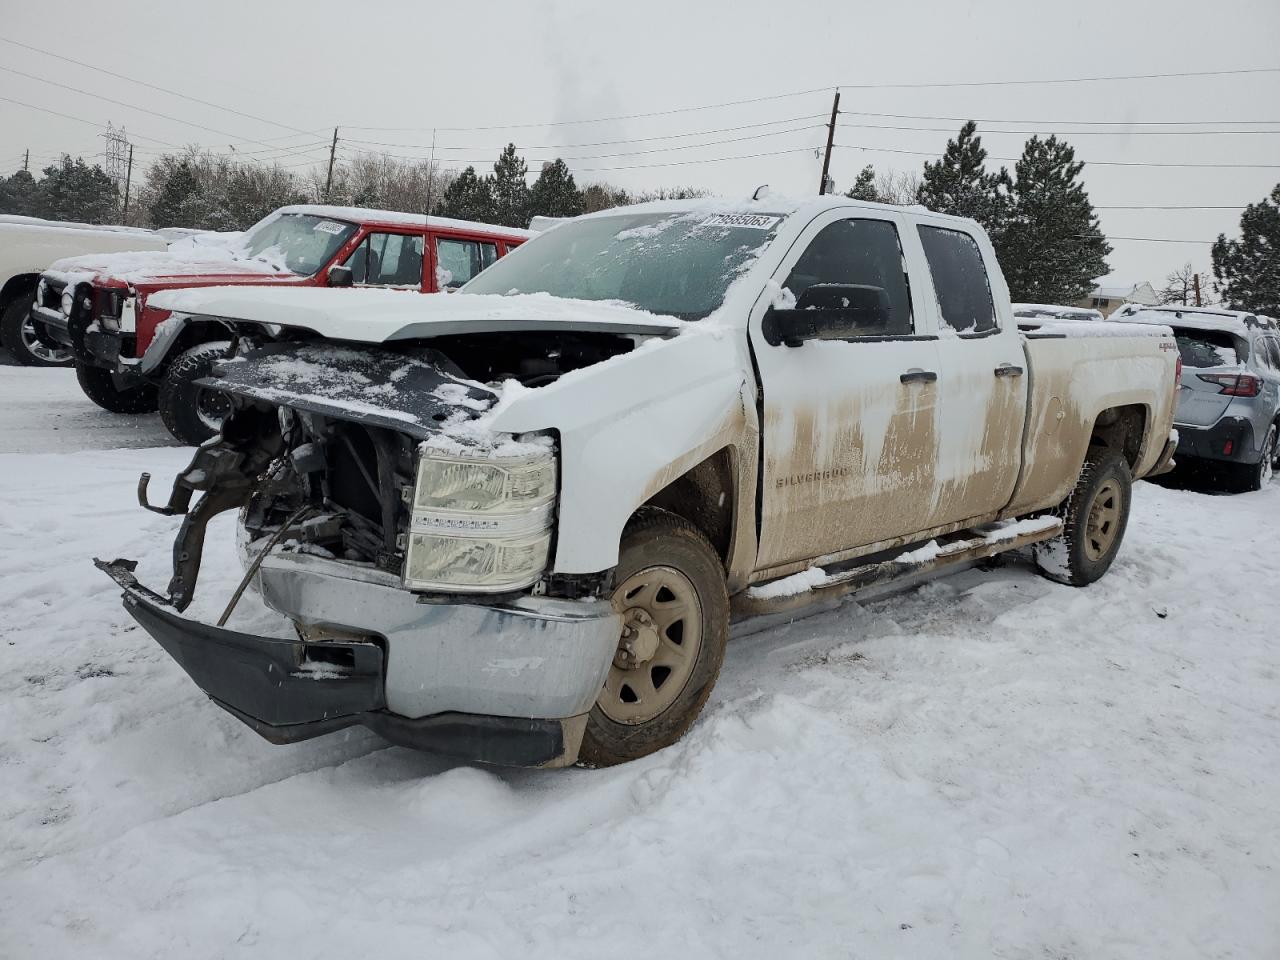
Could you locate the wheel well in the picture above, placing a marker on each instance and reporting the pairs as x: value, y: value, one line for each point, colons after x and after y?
x: 1121, y: 429
x: 705, y: 496
x: 16, y: 287
x: 195, y: 333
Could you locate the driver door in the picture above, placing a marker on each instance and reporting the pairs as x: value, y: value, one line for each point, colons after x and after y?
x: 849, y: 443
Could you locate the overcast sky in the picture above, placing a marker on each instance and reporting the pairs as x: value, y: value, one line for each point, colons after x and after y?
x: 406, y: 67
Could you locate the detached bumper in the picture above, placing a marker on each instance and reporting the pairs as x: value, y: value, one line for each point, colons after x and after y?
x: 487, y: 684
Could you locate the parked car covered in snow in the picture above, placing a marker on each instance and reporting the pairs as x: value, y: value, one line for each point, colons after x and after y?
x: 514, y: 524
x: 27, y: 246
x: 131, y: 358
x: 1228, y: 413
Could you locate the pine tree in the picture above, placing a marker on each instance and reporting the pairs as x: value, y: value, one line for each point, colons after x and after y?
x: 510, y: 191
x: 19, y: 194
x: 469, y: 197
x: 76, y: 192
x: 959, y: 183
x: 1052, y: 248
x: 177, y: 201
x: 1247, y: 270
x: 864, y: 188
x: 554, y: 193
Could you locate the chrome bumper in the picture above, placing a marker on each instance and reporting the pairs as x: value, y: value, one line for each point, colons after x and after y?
x: 530, y: 657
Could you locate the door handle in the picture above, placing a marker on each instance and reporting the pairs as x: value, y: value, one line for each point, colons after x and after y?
x: 1008, y: 370
x: 918, y: 376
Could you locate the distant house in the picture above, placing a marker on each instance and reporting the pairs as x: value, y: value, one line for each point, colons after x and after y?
x: 1112, y: 293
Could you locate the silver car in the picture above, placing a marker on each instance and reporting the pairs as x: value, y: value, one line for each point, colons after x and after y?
x: 1229, y: 398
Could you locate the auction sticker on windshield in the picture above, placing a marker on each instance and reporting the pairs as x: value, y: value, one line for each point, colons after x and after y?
x: 753, y: 221
x: 330, y: 226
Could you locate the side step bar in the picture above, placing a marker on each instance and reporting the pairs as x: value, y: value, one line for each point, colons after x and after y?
x: 818, y: 587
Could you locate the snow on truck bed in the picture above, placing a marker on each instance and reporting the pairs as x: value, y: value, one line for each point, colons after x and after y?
x: 988, y: 766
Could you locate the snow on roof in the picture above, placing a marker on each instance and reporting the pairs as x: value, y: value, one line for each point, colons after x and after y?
x: 1238, y: 322
x: 367, y: 215
x: 1112, y: 287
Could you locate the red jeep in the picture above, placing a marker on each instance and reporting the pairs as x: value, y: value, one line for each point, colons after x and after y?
x: 130, y: 360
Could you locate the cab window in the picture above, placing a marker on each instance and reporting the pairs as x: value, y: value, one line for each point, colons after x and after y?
x: 387, y: 259
x: 858, y: 252
x: 457, y: 261
x: 959, y: 280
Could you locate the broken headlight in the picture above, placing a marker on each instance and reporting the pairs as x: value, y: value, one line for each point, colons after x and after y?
x: 480, y: 524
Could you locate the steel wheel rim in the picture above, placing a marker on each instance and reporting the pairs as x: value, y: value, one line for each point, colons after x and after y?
x: 212, y: 407
x: 1104, y: 521
x: 661, y: 636
x: 38, y: 348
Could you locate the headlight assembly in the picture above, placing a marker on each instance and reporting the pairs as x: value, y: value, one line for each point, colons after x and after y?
x: 480, y: 524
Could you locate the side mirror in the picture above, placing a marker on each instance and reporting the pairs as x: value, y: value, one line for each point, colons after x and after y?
x: 340, y: 276
x: 830, y: 311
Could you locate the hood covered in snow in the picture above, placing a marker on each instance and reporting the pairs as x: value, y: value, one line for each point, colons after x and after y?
x: 379, y: 316
x: 203, y: 258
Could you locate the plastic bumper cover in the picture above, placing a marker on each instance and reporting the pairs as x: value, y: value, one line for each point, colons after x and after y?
x: 290, y: 689
x: 1211, y: 443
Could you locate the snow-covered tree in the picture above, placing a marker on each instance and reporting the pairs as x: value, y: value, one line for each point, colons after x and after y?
x: 510, y: 189
x: 554, y: 193
x: 1247, y: 270
x: 960, y: 184
x: 19, y: 194
x: 864, y: 187
x: 469, y: 197
x: 75, y: 191
x: 1051, y: 248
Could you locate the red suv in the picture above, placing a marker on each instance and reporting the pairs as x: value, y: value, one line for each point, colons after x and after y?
x: 130, y: 358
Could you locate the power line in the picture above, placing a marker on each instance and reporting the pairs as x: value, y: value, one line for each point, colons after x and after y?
x: 152, y: 86
x: 1239, y: 206
x: 130, y: 106
x: 92, y: 123
x: 1094, y: 163
x: 1020, y: 83
x: 1067, y: 123
x: 1069, y: 133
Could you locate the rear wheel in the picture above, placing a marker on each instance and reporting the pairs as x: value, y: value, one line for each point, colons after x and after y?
x: 25, y: 339
x: 190, y: 412
x: 1094, y: 519
x: 100, y: 387
x: 1255, y: 476
x: 674, y: 605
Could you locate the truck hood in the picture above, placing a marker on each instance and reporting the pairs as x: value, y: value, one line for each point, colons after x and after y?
x: 380, y: 316
x: 181, y: 265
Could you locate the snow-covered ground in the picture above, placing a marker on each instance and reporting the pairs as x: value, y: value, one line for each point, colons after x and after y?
x: 989, y: 766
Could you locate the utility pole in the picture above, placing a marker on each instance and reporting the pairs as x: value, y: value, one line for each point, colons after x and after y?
x: 831, y: 136
x: 1195, y: 282
x: 26, y: 160
x: 128, y: 179
x: 333, y: 149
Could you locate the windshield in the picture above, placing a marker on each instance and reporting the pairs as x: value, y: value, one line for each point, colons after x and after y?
x: 1210, y: 348
x: 677, y: 264
x: 303, y: 242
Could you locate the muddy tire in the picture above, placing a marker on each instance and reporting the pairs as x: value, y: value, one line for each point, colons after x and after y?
x: 670, y: 589
x: 101, y: 389
x: 191, y: 413
x: 1094, y: 520
x: 1255, y: 476
x: 25, y: 342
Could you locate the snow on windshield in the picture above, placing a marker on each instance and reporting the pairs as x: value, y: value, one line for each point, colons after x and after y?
x: 674, y: 263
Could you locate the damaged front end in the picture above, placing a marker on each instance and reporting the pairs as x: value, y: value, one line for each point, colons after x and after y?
x: 409, y: 549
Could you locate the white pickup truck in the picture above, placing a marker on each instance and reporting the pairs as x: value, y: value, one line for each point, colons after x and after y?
x: 27, y: 246
x: 515, y: 524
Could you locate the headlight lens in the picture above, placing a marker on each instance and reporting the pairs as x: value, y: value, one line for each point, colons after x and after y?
x: 480, y: 524
x: 68, y: 303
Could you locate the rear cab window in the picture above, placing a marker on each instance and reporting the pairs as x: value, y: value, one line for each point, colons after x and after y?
x: 960, y: 280
x: 458, y: 260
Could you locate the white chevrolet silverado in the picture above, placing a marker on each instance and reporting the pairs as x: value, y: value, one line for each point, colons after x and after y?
x: 515, y: 524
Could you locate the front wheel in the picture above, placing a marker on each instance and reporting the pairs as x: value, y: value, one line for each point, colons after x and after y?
x: 190, y: 412
x: 100, y: 387
x: 674, y: 604
x: 25, y: 339
x: 1094, y: 519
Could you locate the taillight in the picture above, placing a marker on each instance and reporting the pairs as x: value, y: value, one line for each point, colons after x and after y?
x: 1234, y: 384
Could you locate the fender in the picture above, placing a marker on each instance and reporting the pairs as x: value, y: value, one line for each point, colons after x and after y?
x: 175, y: 334
x: 631, y: 425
